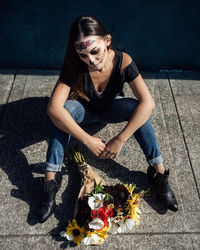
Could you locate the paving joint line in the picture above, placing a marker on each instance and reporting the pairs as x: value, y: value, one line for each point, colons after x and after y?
x: 7, y: 99
x: 184, y: 139
x: 125, y: 234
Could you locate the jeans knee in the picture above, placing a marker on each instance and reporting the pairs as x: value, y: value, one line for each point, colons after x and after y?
x: 130, y: 108
x: 76, y: 110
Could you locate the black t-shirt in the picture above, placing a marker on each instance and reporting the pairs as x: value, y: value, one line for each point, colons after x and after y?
x: 99, y: 102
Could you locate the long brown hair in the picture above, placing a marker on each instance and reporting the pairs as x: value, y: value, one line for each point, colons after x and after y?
x: 82, y: 26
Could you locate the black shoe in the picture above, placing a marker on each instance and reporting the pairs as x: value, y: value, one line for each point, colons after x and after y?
x: 163, y: 189
x: 47, y: 200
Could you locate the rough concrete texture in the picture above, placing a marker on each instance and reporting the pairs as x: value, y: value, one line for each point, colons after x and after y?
x: 6, y: 81
x: 24, y: 131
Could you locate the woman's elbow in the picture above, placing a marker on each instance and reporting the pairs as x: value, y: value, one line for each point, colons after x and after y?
x: 153, y: 105
x: 49, y: 110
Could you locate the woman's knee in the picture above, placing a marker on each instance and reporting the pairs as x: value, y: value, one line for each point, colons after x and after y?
x: 76, y: 109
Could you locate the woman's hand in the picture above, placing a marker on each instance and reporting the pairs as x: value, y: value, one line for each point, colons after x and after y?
x: 95, y: 145
x: 113, y: 147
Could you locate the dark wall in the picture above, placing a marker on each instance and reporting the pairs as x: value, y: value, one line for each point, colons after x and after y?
x: 157, y: 34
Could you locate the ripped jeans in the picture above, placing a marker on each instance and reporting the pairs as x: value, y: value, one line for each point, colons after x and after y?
x: 120, y: 110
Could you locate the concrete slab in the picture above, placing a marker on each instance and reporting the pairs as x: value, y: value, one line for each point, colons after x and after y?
x: 195, y: 241
x: 25, y: 128
x: 25, y: 131
x: 186, y: 91
x: 6, y: 82
x: 128, y: 242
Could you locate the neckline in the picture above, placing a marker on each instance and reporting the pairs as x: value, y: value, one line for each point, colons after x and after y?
x: 90, y: 79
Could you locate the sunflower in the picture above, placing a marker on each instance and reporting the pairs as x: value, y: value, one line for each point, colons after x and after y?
x: 74, y: 232
x: 102, y: 234
x: 133, y: 208
x: 134, y: 201
x: 130, y: 188
x: 119, y: 192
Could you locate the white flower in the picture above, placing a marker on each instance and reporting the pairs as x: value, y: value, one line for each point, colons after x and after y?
x: 93, y: 239
x: 113, y: 226
x: 64, y: 234
x: 130, y: 224
x: 70, y: 237
x: 120, y: 226
x: 96, y: 201
x: 126, y: 225
x: 96, y: 224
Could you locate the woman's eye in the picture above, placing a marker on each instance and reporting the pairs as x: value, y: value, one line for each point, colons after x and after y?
x: 94, y: 52
x: 82, y: 55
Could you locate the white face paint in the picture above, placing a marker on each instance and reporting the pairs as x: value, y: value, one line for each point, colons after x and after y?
x: 93, y: 51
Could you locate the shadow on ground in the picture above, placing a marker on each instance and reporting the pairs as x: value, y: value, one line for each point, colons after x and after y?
x: 25, y: 123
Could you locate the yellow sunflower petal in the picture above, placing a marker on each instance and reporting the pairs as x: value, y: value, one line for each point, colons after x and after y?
x: 89, y: 233
x: 75, y: 223
x: 102, y: 233
x: 69, y: 225
x: 77, y: 239
x: 69, y: 231
x: 135, y: 197
x: 70, y: 228
x: 130, y: 188
x: 82, y: 229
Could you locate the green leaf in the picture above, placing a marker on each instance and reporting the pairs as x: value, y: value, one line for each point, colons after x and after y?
x: 98, y: 188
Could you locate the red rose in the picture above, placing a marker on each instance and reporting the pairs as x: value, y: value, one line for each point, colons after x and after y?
x: 101, y: 214
x: 110, y: 213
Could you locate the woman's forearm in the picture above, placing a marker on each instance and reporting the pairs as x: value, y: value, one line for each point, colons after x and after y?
x: 64, y: 121
x: 139, y: 117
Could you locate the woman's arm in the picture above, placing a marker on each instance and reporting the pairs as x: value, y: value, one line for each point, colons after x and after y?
x: 138, y: 118
x: 64, y: 121
x: 143, y: 110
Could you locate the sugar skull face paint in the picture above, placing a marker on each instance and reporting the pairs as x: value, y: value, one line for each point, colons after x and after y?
x: 84, y: 45
x: 93, y: 51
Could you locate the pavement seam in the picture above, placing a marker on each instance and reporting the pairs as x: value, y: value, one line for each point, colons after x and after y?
x: 167, y: 128
x: 8, y: 97
x: 164, y: 119
x: 184, y: 139
x: 124, y: 234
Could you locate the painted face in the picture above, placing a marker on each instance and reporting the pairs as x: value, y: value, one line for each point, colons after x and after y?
x: 93, y: 51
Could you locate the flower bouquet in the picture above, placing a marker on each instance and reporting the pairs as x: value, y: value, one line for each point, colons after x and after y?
x: 101, y: 209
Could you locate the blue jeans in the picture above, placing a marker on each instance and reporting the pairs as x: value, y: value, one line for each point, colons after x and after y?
x: 120, y: 110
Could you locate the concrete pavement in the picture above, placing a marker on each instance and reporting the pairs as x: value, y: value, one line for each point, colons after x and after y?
x: 24, y: 130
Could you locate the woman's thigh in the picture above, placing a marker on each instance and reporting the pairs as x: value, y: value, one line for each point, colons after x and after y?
x: 81, y: 114
x: 120, y: 110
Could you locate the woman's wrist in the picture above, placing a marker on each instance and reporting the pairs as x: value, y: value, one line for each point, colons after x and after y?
x: 121, y: 138
x: 86, y: 140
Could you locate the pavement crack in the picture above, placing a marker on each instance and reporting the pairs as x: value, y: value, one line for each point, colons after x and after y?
x: 124, y: 234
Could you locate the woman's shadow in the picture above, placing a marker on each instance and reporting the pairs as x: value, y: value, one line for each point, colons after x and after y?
x: 24, y: 123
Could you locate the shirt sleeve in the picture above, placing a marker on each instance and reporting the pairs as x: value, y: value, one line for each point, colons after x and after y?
x: 64, y: 76
x: 130, y: 72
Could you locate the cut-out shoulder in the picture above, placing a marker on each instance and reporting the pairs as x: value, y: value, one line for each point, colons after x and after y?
x: 126, y: 60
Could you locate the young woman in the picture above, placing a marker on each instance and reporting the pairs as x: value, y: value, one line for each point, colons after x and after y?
x: 89, y: 89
